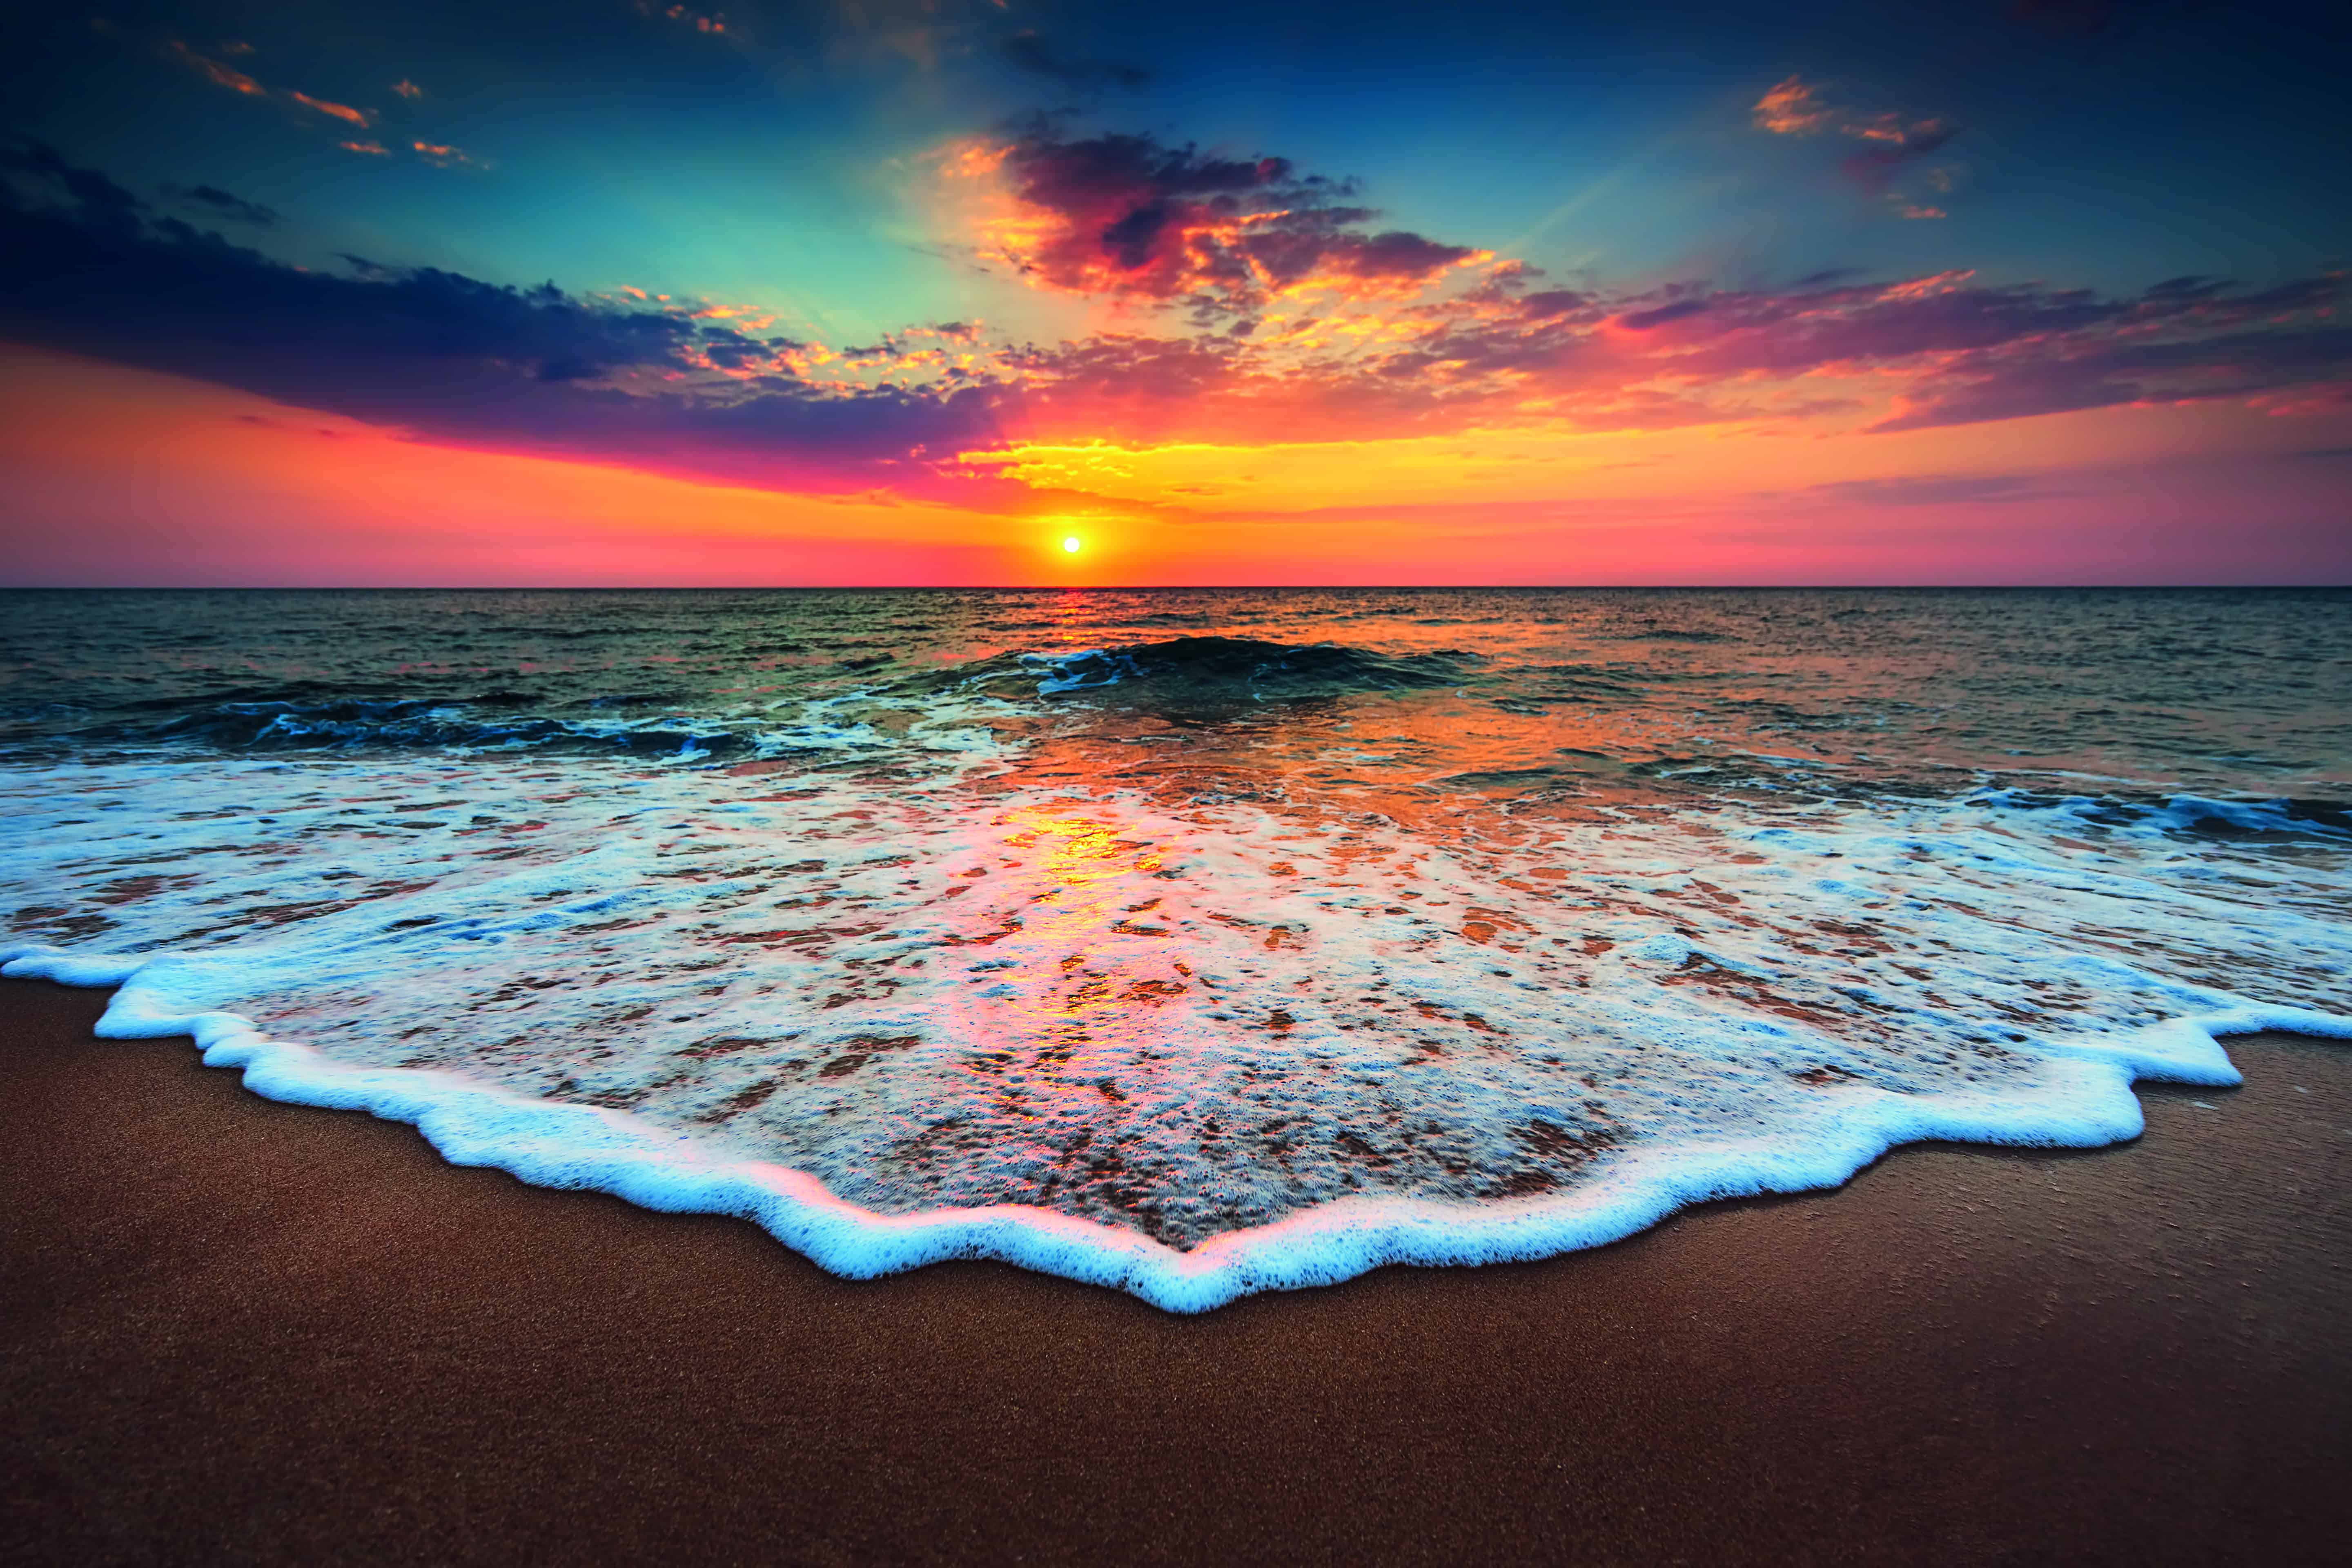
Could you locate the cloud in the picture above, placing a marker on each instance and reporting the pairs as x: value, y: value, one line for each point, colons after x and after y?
x: 217, y: 73
x: 442, y: 157
x: 407, y: 88
x: 1128, y: 218
x: 709, y: 389
x: 238, y: 83
x: 219, y: 203
x: 270, y: 423
x: 683, y: 16
x: 1643, y: 320
x: 1893, y: 149
x: 1939, y: 489
x: 359, y: 117
x: 1892, y: 142
x: 1032, y: 52
x: 372, y: 149
x: 86, y: 266
x: 1792, y: 109
x: 2106, y: 370
x: 2193, y: 287
x: 2306, y: 398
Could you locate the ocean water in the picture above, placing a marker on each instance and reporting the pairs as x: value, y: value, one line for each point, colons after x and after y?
x: 1190, y: 943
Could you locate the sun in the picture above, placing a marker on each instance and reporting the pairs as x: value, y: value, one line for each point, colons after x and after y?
x: 1073, y: 543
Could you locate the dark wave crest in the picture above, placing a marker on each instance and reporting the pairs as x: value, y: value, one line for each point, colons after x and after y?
x: 302, y: 717
x: 1214, y: 669
x: 2186, y: 815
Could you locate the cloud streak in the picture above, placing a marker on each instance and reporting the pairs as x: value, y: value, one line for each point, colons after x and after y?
x: 214, y: 201
x: 445, y: 157
x: 225, y: 76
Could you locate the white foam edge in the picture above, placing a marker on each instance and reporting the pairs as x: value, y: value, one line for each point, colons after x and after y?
x: 549, y: 1144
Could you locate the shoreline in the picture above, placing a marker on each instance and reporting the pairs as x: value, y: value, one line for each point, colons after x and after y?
x: 542, y: 1144
x: 235, y: 1328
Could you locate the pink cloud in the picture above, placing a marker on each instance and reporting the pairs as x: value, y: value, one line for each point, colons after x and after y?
x: 1124, y: 217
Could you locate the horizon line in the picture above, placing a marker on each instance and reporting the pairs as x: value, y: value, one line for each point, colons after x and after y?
x: 1160, y: 587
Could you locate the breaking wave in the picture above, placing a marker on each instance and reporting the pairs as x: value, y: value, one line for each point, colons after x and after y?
x: 1221, y: 669
x: 914, y: 926
x: 1187, y: 1047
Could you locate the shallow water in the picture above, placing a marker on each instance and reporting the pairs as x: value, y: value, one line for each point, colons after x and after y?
x: 1195, y: 943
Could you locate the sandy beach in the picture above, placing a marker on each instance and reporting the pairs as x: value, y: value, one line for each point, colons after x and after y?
x: 241, y: 1331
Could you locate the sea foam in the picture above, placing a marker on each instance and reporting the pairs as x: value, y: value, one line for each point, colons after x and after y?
x: 1185, y: 1044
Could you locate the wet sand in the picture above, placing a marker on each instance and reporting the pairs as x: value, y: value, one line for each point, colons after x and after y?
x: 238, y: 1330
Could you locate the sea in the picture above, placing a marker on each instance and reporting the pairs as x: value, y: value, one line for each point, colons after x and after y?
x: 1190, y: 943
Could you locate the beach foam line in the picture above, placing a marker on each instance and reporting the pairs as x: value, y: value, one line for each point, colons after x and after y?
x: 556, y: 1146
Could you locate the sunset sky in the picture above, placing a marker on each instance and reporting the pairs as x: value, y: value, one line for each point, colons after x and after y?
x: 902, y: 292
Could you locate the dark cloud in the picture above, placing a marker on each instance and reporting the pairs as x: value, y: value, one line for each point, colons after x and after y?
x: 1891, y: 143
x: 1643, y: 320
x: 86, y: 266
x: 1550, y: 304
x: 2067, y: 377
x: 281, y: 425
x: 1396, y: 254
x: 1939, y: 489
x: 2192, y: 286
x: 1951, y: 352
x: 103, y: 206
x: 211, y: 199
x: 1033, y: 53
x: 1127, y: 217
x: 1877, y: 166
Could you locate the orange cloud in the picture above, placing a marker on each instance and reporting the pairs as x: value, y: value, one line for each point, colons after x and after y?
x: 1792, y: 109
x: 373, y: 149
x: 443, y: 157
x: 219, y: 75
x: 700, y: 21
x: 236, y: 81
x: 358, y: 117
x: 407, y: 88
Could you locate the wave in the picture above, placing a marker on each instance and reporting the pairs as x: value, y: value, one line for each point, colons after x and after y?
x: 477, y: 725
x: 599, y: 1149
x: 1189, y: 1052
x: 357, y: 723
x: 2182, y: 816
x: 1185, y: 672
x: 1223, y: 669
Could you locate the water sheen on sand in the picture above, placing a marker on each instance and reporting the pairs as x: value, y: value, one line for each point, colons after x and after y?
x: 1191, y: 943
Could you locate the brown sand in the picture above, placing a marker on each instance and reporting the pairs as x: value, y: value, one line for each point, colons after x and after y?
x: 236, y: 1330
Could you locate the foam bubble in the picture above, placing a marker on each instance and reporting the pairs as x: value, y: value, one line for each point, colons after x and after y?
x: 1179, y: 1042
